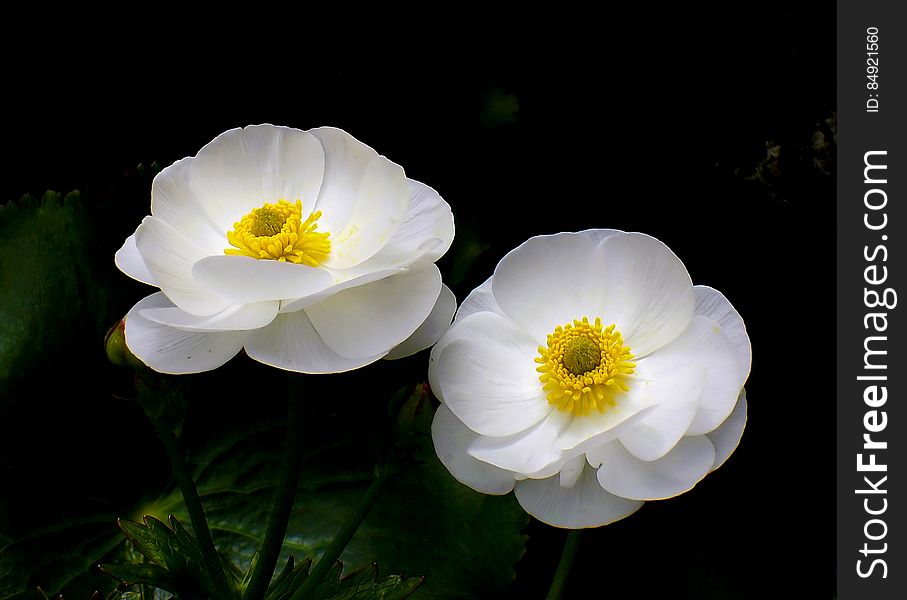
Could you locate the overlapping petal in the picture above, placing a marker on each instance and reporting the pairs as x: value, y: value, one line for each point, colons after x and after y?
x: 487, y: 376
x: 242, y: 168
x: 452, y: 440
x: 671, y: 424
x: 584, y: 504
x: 176, y: 351
x: 374, y: 291
x: 625, y: 475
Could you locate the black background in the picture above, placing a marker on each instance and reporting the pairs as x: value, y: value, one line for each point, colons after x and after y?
x: 659, y: 129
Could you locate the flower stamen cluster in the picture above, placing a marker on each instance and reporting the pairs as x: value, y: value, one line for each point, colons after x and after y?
x: 585, y: 365
x: 277, y: 232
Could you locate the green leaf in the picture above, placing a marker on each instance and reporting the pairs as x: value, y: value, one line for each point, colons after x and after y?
x: 143, y: 574
x: 362, y: 584
x: 177, y: 562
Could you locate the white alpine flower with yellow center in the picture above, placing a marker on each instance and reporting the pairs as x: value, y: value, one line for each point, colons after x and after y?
x: 306, y: 248
x: 588, y: 375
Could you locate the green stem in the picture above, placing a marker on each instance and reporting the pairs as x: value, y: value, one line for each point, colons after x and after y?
x: 283, y: 505
x: 194, y: 507
x: 317, y: 574
x: 559, y: 583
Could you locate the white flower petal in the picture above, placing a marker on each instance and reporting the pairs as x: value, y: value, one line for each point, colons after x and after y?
x: 727, y: 436
x: 294, y: 304
x: 526, y: 452
x: 676, y: 472
x: 648, y: 294
x: 371, y: 319
x: 451, y: 438
x: 129, y: 260
x: 290, y: 342
x: 234, y: 318
x: 630, y: 279
x: 486, y: 375
x: 585, y: 504
x: 596, y: 428
x: 427, y: 219
x: 705, y: 342
x: 571, y: 471
x: 712, y: 304
x: 169, y: 257
x: 242, y: 169
x: 174, y: 351
x: 432, y: 329
x: 423, y: 236
x: 345, y: 160
x: 244, y: 279
x: 676, y: 391
x: 550, y: 280
x: 479, y: 300
x: 381, y: 203
x: 174, y: 202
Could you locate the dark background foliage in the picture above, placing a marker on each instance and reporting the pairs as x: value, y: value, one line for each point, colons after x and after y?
x: 716, y: 137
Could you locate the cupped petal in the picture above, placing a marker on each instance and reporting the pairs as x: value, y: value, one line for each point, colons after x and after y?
x: 702, y: 353
x: 451, y: 438
x: 432, y: 329
x: 382, y: 199
x: 373, y: 318
x: 675, y: 390
x: 426, y: 231
x: 479, y: 300
x: 486, y: 375
x: 238, y: 317
x: 423, y: 236
x: 345, y: 161
x: 174, y: 202
x: 243, y: 279
x: 648, y: 292
x: 714, y: 305
x: 526, y: 452
x: 242, y: 169
x: 169, y: 257
x: 727, y: 437
x: 291, y: 343
x: 630, y: 279
x: 723, y: 376
x: 129, y: 260
x: 174, y: 351
x: 676, y: 472
x: 550, y: 280
x: 584, y: 504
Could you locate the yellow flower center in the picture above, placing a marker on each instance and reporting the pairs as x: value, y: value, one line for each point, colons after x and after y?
x: 585, y: 365
x: 277, y: 232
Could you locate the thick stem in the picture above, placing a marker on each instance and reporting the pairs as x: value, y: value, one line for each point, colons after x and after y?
x: 194, y: 507
x: 333, y: 552
x: 559, y: 583
x: 282, y: 508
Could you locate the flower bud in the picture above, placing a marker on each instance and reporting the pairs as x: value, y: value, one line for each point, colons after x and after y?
x: 117, y: 351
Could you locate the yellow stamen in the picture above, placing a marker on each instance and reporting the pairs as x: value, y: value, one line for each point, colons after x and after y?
x: 277, y: 232
x: 585, y: 366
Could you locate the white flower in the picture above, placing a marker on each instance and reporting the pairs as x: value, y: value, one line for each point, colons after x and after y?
x: 588, y: 375
x: 306, y: 248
